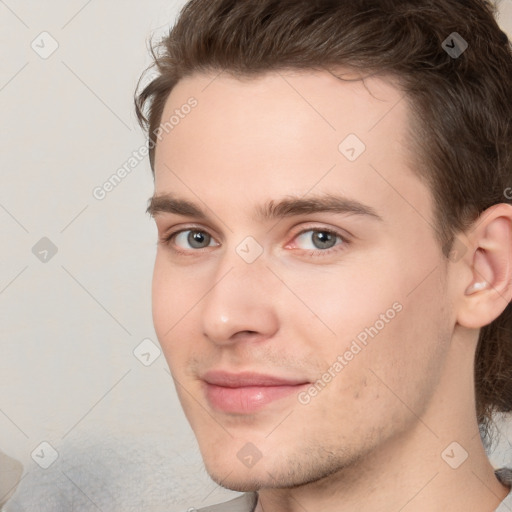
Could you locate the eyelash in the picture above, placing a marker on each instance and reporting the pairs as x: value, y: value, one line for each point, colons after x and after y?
x: 167, y: 239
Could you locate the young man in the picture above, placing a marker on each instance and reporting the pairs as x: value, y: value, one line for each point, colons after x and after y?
x: 333, y: 276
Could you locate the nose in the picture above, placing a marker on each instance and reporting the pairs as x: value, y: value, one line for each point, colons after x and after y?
x: 241, y: 303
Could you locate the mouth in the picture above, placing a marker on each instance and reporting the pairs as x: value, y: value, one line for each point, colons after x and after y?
x: 247, y: 392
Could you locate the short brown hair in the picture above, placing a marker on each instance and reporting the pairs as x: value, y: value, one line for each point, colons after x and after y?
x: 461, y: 105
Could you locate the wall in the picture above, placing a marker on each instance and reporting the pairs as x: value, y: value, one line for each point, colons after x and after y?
x: 75, y: 268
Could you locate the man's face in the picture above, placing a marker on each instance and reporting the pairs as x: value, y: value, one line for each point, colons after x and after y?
x: 348, y: 306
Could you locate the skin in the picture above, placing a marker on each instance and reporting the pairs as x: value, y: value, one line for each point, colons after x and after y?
x: 372, y: 438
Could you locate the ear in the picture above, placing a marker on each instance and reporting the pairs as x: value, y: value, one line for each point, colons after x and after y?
x: 484, y: 286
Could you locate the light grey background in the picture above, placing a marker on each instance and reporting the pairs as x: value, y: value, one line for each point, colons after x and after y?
x: 69, y: 325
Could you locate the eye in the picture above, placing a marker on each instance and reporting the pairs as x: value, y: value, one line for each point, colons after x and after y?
x: 319, y: 240
x: 314, y: 241
x: 189, y: 239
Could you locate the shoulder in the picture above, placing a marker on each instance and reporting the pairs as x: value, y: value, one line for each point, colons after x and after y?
x: 504, y: 475
x: 244, y: 503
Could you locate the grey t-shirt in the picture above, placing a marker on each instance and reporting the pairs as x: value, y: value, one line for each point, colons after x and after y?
x: 247, y: 502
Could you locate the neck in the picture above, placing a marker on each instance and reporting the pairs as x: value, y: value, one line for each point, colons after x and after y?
x: 419, y: 479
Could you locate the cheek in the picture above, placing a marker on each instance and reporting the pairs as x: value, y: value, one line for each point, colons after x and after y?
x: 341, y: 303
x: 401, y: 360
x: 175, y: 290
x: 162, y: 299
x: 388, y: 329
x: 172, y: 299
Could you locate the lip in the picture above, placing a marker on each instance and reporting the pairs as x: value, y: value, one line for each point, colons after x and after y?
x: 247, y: 392
x: 244, y: 379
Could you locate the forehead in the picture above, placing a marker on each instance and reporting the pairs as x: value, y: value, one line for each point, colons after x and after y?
x: 287, y: 132
x: 305, y: 104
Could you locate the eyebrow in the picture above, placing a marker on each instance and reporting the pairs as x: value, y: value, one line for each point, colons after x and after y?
x: 272, y: 210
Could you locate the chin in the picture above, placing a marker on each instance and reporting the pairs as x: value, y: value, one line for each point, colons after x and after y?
x: 237, y: 477
x: 240, y: 481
